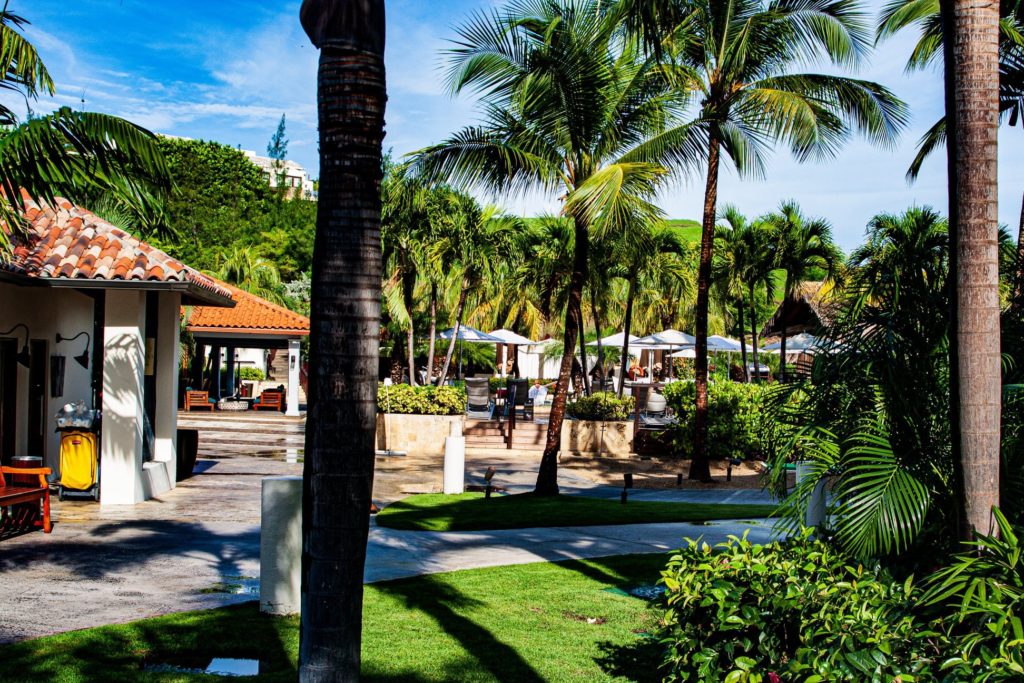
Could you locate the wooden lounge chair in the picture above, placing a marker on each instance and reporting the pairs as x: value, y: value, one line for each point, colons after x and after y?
x: 198, y: 400
x: 271, y: 399
x: 24, y: 503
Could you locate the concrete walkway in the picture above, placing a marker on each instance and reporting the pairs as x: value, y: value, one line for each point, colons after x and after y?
x: 198, y: 546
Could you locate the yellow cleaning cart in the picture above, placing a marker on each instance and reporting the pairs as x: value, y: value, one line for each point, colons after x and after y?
x: 78, y: 466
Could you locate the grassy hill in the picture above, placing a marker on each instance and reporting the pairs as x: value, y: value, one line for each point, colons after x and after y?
x: 689, y: 229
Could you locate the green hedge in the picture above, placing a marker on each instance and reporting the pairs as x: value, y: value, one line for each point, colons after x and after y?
x: 251, y: 374
x: 736, y: 418
x: 430, y: 400
x: 792, y: 611
x: 602, y: 405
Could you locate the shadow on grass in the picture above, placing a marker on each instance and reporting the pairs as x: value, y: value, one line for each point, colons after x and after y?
x: 445, y: 604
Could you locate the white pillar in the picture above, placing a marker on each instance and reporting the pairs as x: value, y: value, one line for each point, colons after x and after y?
x: 455, y: 461
x: 124, y: 357
x: 168, y: 360
x: 293, y: 377
x: 281, y: 545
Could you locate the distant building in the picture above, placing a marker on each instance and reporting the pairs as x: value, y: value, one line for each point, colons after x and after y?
x: 296, y: 179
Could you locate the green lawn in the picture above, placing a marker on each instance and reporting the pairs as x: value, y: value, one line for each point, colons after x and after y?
x: 520, y: 623
x: 473, y: 512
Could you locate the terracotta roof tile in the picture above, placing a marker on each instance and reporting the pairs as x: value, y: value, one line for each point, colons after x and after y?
x: 69, y: 242
x: 251, y: 314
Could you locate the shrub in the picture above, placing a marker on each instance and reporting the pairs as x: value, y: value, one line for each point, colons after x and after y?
x: 735, y: 418
x: 251, y: 374
x: 428, y: 400
x: 979, y: 600
x: 797, y: 609
x: 602, y: 405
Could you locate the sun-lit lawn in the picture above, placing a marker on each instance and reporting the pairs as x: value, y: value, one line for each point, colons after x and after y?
x: 473, y: 512
x: 568, y: 621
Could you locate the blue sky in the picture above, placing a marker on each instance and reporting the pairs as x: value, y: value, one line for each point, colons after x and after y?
x: 226, y: 70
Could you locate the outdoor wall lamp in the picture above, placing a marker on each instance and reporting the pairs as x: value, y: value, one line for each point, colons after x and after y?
x: 23, y: 357
x: 82, y: 358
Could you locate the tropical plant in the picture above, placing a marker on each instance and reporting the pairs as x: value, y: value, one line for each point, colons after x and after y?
x: 737, y: 427
x: 601, y: 405
x: 804, y: 250
x: 345, y: 333
x: 871, y: 418
x: 426, y: 400
x: 570, y: 106
x: 252, y: 273
x: 81, y: 156
x: 740, y: 55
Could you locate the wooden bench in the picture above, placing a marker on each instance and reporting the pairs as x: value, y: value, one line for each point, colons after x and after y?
x: 198, y: 399
x: 271, y: 399
x: 24, y: 504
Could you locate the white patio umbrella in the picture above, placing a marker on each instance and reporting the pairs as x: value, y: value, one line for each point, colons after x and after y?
x: 470, y: 335
x: 615, y: 340
x: 666, y: 340
x: 800, y: 343
x: 510, y: 338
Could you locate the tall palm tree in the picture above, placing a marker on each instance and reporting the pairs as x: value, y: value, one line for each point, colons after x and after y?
x: 570, y: 107
x: 735, y: 261
x: 899, y: 15
x: 805, y: 246
x: 742, y: 54
x: 972, y: 36
x: 344, y: 334
x: 83, y: 156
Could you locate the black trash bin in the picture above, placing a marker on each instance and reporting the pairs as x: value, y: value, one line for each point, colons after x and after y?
x: 188, y: 450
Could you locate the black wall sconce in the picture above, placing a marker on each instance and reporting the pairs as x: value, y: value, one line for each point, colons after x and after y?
x: 82, y: 358
x: 23, y: 357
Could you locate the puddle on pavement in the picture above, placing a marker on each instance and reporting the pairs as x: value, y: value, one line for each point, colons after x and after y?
x: 236, y: 585
x: 646, y: 592
x: 216, y: 666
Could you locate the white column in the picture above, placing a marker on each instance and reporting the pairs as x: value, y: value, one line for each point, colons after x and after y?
x: 293, y: 377
x: 168, y: 359
x: 123, y: 364
x: 281, y: 545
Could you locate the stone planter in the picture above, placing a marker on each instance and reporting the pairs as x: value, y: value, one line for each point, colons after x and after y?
x: 592, y: 438
x: 415, y: 434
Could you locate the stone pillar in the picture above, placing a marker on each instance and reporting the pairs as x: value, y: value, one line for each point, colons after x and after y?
x: 230, y: 391
x: 294, y: 360
x: 281, y: 545
x: 215, y: 362
x: 168, y: 360
x: 124, y: 330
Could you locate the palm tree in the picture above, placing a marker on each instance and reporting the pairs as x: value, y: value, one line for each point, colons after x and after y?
x: 972, y: 37
x: 252, y: 273
x: 345, y: 333
x: 741, y: 54
x: 805, y: 246
x: 83, y: 156
x: 732, y: 237
x: 925, y: 14
x: 572, y: 107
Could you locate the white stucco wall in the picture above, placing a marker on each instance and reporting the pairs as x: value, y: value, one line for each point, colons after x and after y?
x: 47, y: 312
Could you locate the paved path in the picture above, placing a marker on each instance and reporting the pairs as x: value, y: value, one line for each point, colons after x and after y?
x: 198, y: 545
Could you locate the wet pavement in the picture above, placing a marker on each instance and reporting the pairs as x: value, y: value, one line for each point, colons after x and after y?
x: 198, y: 546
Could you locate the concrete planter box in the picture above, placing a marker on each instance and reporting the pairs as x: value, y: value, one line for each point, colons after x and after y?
x: 593, y: 438
x: 419, y: 434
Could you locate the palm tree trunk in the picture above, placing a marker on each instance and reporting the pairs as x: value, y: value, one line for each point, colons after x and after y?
x: 1018, y: 286
x: 547, y: 477
x: 975, y: 44
x: 433, y: 331
x: 700, y: 468
x: 743, y: 344
x: 597, y: 329
x: 345, y: 325
x: 455, y: 334
x: 753, y: 333
x: 627, y: 323
x: 583, y: 352
x: 781, y: 313
x: 410, y: 334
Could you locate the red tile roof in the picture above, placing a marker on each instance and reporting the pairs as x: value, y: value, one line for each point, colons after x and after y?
x: 251, y: 315
x: 67, y: 243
